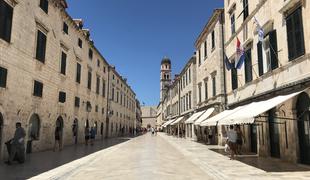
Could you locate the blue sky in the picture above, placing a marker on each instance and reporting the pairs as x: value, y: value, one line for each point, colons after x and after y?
x: 134, y: 35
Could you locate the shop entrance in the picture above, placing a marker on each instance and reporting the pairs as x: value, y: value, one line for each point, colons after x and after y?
x: 302, y: 107
x: 253, y: 132
x: 274, y: 134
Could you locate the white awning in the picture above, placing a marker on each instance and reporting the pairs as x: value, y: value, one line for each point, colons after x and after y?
x: 194, y: 117
x: 178, y: 120
x: 247, y: 113
x: 213, y: 120
x: 167, y: 123
x: 204, y: 116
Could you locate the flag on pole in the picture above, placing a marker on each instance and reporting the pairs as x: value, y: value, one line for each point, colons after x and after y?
x: 259, y: 29
x: 227, y: 63
x: 240, y: 55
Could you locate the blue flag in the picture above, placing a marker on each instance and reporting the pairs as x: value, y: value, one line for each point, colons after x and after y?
x: 227, y: 63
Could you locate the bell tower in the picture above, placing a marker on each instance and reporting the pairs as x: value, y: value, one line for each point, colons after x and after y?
x: 165, y: 77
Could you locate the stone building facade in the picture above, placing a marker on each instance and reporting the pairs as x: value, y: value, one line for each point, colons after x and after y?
x: 278, y: 64
x: 266, y: 94
x: 210, y: 71
x: 51, y: 75
x: 149, y: 116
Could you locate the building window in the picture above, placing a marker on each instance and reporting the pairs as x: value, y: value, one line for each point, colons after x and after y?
x: 234, y: 76
x: 65, y: 28
x: 117, y: 96
x: 62, y: 97
x: 90, y: 54
x: 214, y: 86
x: 206, y: 90
x: 97, y: 85
x: 213, y: 39
x: 41, y: 46
x: 63, y: 63
x: 6, y: 15
x: 89, y: 80
x: 190, y: 100
x: 245, y: 9
x: 295, y: 35
x: 102, y: 110
x: 187, y: 105
x: 77, y: 102
x: 103, y: 69
x: 80, y: 43
x: 232, y: 23
x: 268, y: 53
x: 103, y: 88
x: 199, y: 92
x: 78, y: 73
x: 248, y: 66
x: 199, y: 58
x: 3, y: 77
x: 189, y: 75
x: 96, y: 108
x: 38, y: 89
x: 98, y: 62
x: 206, y: 50
x: 112, y: 94
x: 44, y: 5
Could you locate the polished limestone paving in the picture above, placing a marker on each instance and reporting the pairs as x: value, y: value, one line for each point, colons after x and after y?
x: 164, y: 157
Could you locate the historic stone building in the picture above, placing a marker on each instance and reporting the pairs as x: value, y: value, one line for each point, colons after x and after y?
x: 51, y: 74
x: 149, y: 116
x: 210, y: 72
x: 273, y: 34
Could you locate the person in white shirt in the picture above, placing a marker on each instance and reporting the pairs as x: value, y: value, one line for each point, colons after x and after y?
x: 232, y: 140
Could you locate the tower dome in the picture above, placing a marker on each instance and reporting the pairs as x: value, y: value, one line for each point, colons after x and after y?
x: 166, y: 60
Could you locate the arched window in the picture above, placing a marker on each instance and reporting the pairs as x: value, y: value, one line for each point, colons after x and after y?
x: 34, y: 127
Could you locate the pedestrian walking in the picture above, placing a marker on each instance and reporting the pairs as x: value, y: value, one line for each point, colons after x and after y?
x: 58, y: 139
x: 17, y: 148
x: 92, y: 135
x: 240, y: 138
x: 210, y: 136
x: 75, y: 132
x: 232, y: 139
x: 87, y: 133
x: 152, y: 130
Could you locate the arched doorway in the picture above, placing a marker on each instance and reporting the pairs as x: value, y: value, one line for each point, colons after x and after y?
x: 303, y: 115
x: 96, y: 127
x: 101, y: 129
x: 75, y: 130
x: 60, y: 126
x: 33, y: 131
x: 1, y: 129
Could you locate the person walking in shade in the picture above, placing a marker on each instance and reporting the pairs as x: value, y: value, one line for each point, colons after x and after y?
x: 58, y: 140
x: 232, y: 140
x: 240, y: 138
x: 92, y: 135
x: 17, y: 145
x: 87, y: 133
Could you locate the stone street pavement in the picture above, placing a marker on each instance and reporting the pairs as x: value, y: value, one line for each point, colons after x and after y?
x: 41, y: 162
x: 165, y: 157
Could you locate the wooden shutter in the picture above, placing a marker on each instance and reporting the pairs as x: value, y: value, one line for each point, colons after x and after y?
x: 63, y: 63
x: 3, y: 77
x: 78, y: 73
x: 273, y: 49
x: 260, y: 58
x: 6, y: 15
x: 41, y: 46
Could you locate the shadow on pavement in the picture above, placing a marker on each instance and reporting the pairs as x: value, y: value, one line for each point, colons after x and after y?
x: 40, y: 162
x: 265, y: 163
